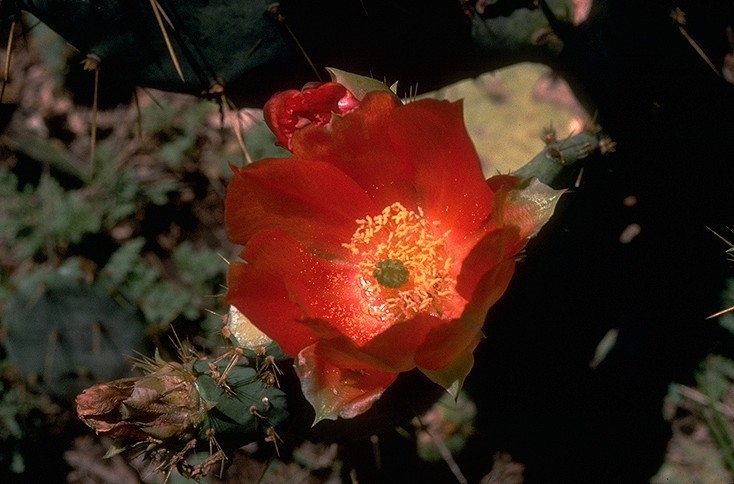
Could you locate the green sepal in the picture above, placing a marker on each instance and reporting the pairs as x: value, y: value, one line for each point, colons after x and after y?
x: 357, y: 85
x: 453, y: 375
x: 248, y: 337
x: 117, y: 447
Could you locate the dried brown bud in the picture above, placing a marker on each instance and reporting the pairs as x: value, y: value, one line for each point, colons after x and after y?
x: 160, y: 406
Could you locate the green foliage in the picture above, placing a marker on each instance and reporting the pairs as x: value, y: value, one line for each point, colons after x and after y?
x: 195, y: 265
x: 260, y: 143
x: 21, y: 415
x: 705, y: 452
x: 54, y: 49
x: 702, y: 447
x: 66, y: 334
x: 177, y: 129
x: 447, y: 424
x: 213, y: 42
x: 47, y: 221
x: 522, y: 30
x: 161, y: 298
x: 117, y: 192
x: 69, y: 321
x: 44, y: 217
x: 48, y: 218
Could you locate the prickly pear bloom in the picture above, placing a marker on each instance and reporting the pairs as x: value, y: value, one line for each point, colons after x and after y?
x: 377, y: 248
x: 160, y: 406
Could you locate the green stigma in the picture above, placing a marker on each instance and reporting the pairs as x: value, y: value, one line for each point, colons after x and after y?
x: 391, y: 273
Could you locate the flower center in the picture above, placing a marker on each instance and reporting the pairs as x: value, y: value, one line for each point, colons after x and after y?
x: 403, y: 265
x: 391, y: 273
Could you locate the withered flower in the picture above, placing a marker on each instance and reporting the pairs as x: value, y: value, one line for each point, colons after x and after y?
x: 162, y: 405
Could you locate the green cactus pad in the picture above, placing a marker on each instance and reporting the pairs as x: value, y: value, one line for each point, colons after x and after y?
x: 244, y: 409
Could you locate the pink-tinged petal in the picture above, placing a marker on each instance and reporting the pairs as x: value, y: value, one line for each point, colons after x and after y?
x: 527, y: 207
x: 358, y: 144
x: 432, y: 136
x: 452, y: 376
x: 342, y: 352
x: 313, y: 201
x: 410, y: 334
x: 335, y: 391
x: 258, y: 288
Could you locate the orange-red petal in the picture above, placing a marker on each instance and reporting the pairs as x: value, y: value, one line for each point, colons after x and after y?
x: 452, y: 376
x: 448, y: 175
x: 335, y: 391
x: 358, y: 144
x: 259, y: 289
x: 485, y: 275
x: 392, y: 350
x: 314, y: 201
x: 299, y: 283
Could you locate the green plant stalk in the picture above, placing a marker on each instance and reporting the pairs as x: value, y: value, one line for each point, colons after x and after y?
x: 558, y: 157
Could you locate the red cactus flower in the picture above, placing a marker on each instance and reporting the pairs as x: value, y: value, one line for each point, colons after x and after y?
x: 377, y: 248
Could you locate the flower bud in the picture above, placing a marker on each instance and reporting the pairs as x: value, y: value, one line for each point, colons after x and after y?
x: 162, y: 405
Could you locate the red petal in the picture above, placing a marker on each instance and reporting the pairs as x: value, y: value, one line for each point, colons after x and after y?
x: 404, y: 340
x: 494, y: 248
x: 258, y: 288
x: 330, y: 301
x: 359, y: 145
x: 452, y: 376
x: 320, y: 102
x: 488, y: 268
x: 288, y: 111
x: 330, y: 298
x: 432, y: 136
x: 485, y: 275
x: 446, y: 343
x: 392, y: 350
x: 281, y: 122
x: 313, y: 201
x: 335, y: 391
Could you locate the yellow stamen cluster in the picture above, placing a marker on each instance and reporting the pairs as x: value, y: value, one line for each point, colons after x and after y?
x: 402, y: 237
